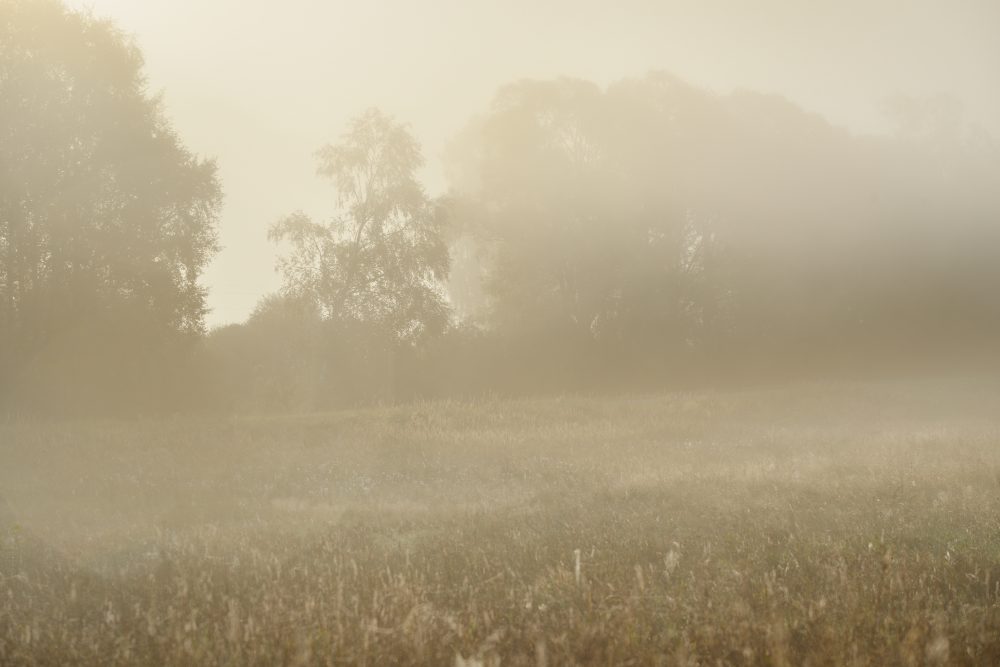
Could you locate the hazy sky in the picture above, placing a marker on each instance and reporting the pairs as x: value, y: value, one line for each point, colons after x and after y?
x: 261, y: 85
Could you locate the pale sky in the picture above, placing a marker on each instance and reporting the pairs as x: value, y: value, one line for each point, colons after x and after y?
x: 261, y: 85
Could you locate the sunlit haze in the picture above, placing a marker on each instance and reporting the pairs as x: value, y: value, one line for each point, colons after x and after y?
x: 261, y: 85
x: 500, y: 333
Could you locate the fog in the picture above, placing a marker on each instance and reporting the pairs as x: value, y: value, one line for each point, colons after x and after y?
x: 262, y: 86
x: 326, y: 205
x: 481, y: 334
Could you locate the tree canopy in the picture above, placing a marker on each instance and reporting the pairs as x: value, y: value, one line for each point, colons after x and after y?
x: 380, y: 261
x: 106, y: 219
x: 658, y: 218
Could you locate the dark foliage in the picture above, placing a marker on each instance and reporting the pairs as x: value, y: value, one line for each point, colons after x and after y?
x: 106, y: 220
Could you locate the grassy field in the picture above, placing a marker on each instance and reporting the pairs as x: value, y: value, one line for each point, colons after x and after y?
x: 815, y: 524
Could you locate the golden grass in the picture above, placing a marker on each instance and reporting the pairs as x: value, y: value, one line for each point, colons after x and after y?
x: 820, y: 524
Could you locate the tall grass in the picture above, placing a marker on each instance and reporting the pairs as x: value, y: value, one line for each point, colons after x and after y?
x: 822, y: 524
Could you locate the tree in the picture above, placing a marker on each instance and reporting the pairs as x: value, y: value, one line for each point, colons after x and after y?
x: 106, y: 219
x: 575, y: 195
x: 655, y: 219
x: 382, y: 259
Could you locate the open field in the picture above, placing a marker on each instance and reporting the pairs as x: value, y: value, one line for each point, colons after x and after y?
x: 819, y: 524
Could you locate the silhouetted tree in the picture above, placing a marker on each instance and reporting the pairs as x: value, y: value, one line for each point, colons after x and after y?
x: 655, y: 219
x: 106, y: 220
x: 379, y: 264
x: 381, y: 260
x: 587, y: 233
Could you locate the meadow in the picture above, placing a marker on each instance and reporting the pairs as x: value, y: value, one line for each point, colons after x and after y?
x: 835, y: 523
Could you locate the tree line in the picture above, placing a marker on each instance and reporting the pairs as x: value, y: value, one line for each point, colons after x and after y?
x: 638, y: 235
